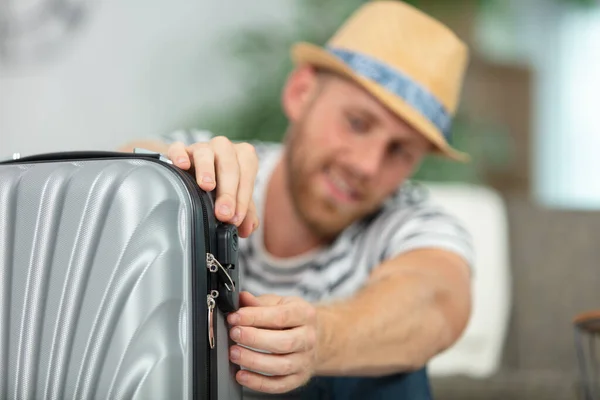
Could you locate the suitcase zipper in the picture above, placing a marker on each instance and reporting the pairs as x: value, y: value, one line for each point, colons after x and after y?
x: 210, y: 369
x: 211, y: 282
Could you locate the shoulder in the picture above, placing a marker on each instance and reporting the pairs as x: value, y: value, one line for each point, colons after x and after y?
x: 412, y: 220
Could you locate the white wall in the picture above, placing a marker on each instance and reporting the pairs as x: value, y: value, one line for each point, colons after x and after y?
x: 136, y: 69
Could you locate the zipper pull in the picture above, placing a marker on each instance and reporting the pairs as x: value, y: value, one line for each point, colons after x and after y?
x: 227, y: 300
x: 210, y: 302
x: 215, y: 266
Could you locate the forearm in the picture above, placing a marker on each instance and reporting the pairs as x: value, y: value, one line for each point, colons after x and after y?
x: 397, y: 323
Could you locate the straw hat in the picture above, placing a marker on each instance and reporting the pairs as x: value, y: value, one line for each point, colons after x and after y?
x: 411, y: 62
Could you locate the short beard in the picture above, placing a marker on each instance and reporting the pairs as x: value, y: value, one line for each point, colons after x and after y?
x: 295, y: 175
x: 297, y: 185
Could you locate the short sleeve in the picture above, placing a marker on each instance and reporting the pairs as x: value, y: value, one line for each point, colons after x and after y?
x: 425, y: 226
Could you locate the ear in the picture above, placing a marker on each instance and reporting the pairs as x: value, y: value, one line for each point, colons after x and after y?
x: 298, y: 91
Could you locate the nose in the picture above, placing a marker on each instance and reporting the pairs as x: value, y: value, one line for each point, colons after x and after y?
x: 366, y: 160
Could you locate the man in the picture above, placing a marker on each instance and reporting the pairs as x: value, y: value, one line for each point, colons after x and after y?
x: 350, y: 279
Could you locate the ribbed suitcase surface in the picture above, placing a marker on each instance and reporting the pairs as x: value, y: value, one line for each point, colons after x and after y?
x: 95, y: 281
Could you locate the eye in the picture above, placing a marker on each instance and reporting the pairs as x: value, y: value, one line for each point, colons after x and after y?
x: 400, y: 150
x: 396, y: 149
x: 358, y: 124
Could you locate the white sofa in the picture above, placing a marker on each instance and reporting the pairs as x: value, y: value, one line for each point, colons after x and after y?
x: 478, y: 352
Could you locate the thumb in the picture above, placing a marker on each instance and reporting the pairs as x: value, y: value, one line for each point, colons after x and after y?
x: 247, y: 299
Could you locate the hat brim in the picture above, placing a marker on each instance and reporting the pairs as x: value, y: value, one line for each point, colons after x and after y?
x: 308, y: 53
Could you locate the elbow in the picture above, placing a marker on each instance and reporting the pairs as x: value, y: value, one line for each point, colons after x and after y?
x: 439, y: 338
x: 435, y: 335
x: 449, y: 316
x: 454, y: 310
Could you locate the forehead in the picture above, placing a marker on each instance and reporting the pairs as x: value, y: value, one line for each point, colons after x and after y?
x: 350, y: 96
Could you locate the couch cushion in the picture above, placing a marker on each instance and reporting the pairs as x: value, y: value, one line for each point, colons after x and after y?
x: 479, y: 351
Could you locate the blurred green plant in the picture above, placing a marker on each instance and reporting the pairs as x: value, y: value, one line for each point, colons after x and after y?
x: 264, y: 54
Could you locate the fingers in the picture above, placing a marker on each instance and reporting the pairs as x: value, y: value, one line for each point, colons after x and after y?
x: 274, y: 336
x: 248, y: 162
x: 250, y: 223
x: 271, y: 384
x: 272, y: 364
x: 300, y: 339
x: 247, y: 299
x: 179, y: 155
x: 204, y: 166
x: 231, y: 169
x: 227, y: 171
x: 200, y: 156
x: 289, y: 315
x: 288, y: 370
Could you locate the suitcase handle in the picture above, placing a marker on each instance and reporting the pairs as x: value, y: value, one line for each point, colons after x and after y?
x: 83, y: 155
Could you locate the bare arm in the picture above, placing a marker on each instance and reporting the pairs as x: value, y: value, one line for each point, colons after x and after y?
x: 413, y: 307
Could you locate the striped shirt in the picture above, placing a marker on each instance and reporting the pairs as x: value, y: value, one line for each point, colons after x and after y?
x: 407, y: 221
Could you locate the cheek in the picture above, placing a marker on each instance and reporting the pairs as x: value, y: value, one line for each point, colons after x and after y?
x: 389, y: 181
x: 324, y: 136
x: 337, y: 139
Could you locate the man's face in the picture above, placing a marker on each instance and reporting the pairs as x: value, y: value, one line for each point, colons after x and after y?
x: 346, y: 152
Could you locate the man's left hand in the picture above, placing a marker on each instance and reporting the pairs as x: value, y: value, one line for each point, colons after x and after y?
x: 285, y: 328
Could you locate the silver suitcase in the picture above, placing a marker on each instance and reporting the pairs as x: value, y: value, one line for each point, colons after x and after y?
x: 115, y: 281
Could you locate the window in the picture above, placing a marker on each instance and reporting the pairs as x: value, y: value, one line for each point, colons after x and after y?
x: 560, y: 42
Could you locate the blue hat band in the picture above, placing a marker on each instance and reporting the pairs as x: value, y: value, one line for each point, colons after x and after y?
x: 399, y: 84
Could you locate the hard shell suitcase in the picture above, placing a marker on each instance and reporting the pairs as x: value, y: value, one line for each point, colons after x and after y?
x: 115, y: 280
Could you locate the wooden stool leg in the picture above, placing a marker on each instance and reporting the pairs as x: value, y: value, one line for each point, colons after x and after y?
x: 594, y: 366
x: 589, y: 390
